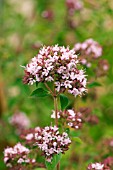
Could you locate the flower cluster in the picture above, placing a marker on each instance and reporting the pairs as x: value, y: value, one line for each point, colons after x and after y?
x: 58, y: 65
x: 48, y: 139
x: 72, y: 118
x: 108, y: 161
x: 88, y: 51
x: 51, y: 142
x: 73, y: 5
x: 17, y: 155
x: 98, y: 166
x: 20, y: 121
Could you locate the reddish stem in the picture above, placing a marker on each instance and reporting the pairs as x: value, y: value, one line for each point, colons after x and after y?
x: 56, y: 110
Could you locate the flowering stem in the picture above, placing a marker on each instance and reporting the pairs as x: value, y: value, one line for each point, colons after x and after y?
x: 56, y: 110
x: 56, y: 121
x: 58, y: 166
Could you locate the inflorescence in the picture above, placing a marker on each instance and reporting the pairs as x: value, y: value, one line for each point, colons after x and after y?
x: 71, y: 118
x: 58, y: 65
x: 48, y: 140
x: 17, y: 155
x: 20, y: 121
x: 98, y: 166
x: 88, y: 50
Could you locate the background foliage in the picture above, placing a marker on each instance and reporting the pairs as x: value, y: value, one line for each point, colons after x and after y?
x: 23, y: 29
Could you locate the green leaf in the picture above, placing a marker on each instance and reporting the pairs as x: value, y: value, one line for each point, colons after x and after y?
x: 40, y: 92
x: 94, y: 84
x: 74, y: 133
x: 63, y: 101
x: 67, y: 131
x: 51, y: 165
x: 78, y: 140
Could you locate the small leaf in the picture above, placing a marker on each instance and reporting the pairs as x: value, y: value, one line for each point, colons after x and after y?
x: 94, y: 84
x: 51, y: 165
x: 67, y: 131
x: 78, y: 140
x: 40, y: 92
x: 64, y: 101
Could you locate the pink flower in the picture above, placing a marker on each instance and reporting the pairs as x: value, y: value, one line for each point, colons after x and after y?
x: 52, y: 142
x: 29, y: 136
x: 20, y: 120
x: 73, y: 5
x: 72, y: 118
x: 96, y: 166
x: 58, y: 65
x: 17, y: 154
x: 89, y: 50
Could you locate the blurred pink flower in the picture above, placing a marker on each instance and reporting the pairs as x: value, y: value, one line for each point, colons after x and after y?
x: 73, y: 5
x: 89, y: 47
x: 20, y: 120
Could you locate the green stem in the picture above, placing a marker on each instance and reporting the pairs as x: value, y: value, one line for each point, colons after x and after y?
x: 56, y: 110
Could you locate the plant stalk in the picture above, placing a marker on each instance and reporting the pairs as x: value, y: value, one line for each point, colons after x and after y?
x: 49, y: 89
x: 56, y: 110
x: 56, y: 120
x: 58, y: 166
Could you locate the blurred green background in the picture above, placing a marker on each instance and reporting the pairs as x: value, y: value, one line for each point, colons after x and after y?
x: 23, y: 30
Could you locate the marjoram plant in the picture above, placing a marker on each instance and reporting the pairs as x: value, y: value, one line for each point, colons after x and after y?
x: 59, y: 70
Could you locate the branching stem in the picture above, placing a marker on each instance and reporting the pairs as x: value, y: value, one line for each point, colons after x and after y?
x: 56, y: 111
x: 49, y: 89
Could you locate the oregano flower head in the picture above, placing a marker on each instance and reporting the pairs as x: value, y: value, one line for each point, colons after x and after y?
x: 98, y: 166
x: 89, y: 50
x: 59, y: 65
x: 48, y: 139
x: 17, y: 155
x: 51, y: 142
